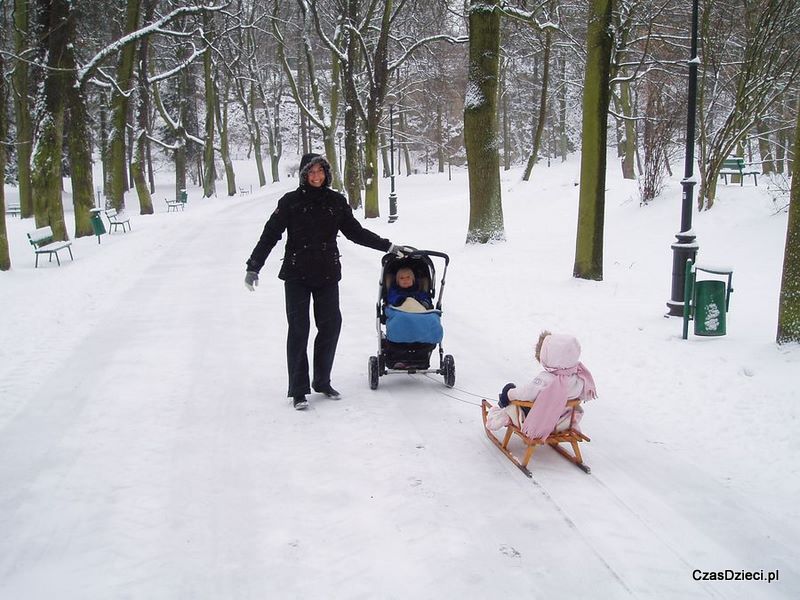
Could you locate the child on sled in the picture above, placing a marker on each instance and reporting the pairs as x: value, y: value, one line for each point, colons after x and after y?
x: 563, y: 378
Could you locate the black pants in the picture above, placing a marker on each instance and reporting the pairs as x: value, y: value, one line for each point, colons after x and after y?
x: 328, y: 320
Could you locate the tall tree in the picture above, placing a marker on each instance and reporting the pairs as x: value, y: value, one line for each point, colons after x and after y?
x: 119, y: 107
x: 5, y: 257
x: 142, y: 118
x: 591, y: 209
x: 323, y: 113
x: 480, y: 123
x: 352, y: 170
x: 209, y: 170
x: 243, y: 49
x: 22, y: 109
x: 542, y: 113
x: 223, y: 100
x: 78, y: 137
x: 378, y: 33
x: 46, y: 175
x: 789, y: 302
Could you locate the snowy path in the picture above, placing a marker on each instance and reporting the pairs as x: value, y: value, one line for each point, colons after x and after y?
x: 153, y: 456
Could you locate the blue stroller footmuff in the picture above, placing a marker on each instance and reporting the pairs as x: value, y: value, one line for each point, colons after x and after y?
x: 406, y: 327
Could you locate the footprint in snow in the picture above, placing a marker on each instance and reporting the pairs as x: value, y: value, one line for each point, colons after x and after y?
x: 509, y: 551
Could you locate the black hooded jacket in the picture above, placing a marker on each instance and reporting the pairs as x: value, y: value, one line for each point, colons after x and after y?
x: 312, y: 218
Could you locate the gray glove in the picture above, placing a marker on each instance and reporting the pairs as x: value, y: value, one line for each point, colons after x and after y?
x: 401, y: 251
x: 251, y: 280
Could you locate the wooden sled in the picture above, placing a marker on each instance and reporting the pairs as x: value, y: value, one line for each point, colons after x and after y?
x: 571, y: 435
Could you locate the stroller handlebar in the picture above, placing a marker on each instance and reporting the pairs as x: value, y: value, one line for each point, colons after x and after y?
x: 419, y: 252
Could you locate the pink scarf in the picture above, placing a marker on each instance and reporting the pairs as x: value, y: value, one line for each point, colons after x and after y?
x: 557, y: 350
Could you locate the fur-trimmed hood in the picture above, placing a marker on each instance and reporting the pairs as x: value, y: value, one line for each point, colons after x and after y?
x: 308, y: 161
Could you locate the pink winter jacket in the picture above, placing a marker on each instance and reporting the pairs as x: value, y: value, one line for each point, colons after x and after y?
x: 564, y: 377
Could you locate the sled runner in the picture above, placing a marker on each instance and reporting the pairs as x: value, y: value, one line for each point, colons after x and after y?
x: 571, y: 435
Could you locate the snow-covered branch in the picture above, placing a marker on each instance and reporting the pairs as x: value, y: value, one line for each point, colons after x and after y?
x: 434, y: 38
x: 155, y: 27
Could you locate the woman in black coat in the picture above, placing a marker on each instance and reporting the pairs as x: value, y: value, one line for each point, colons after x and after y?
x: 312, y: 216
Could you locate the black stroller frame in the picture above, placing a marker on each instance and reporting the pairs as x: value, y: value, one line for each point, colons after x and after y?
x: 409, y: 358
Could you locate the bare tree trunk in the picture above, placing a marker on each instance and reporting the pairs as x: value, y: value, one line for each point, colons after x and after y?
x: 140, y: 145
x: 563, y: 141
x: 371, y: 143
x: 5, y: 257
x: 256, y: 138
x: 764, y: 148
x: 46, y: 173
x: 119, y: 108
x: 352, y: 173
x: 209, y: 168
x: 387, y: 167
x: 275, y: 142
x: 784, y: 138
x: 537, y: 138
x: 480, y: 124
x: 439, y: 138
x: 506, y: 134
x: 80, y: 151
x: 105, y: 148
x: 149, y: 158
x: 22, y: 108
x: 224, y: 145
x: 302, y: 86
x: 789, y: 302
x: 401, y: 128
x: 591, y: 209
x: 629, y: 127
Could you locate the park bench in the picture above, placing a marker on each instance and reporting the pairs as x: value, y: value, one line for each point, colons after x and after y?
x: 243, y: 191
x: 13, y: 209
x: 42, y: 241
x: 174, y: 205
x: 116, y: 219
x: 736, y: 166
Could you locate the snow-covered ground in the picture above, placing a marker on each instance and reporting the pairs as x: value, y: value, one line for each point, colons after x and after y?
x: 147, y: 449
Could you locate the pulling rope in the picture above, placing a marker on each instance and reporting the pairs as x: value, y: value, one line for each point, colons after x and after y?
x: 458, y: 390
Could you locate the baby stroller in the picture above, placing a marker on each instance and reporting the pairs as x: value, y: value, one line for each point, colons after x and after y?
x: 407, y: 339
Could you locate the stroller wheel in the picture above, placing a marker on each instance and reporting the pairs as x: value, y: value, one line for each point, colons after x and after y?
x: 373, y: 372
x: 449, y: 370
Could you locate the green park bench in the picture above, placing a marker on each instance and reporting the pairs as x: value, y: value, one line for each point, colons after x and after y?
x: 13, y: 209
x: 174, y: 205
x: 42, y: 241
x: 736, y: 166
x: 116, y: 220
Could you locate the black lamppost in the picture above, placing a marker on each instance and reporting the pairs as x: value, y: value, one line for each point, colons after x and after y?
x: 686, y: 246
x: 392, y: 194
x: 339, y: 135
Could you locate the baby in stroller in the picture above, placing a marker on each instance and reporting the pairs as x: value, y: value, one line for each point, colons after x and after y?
x: 410, y: 316
x: 405, y: 294
x: 409, y: 325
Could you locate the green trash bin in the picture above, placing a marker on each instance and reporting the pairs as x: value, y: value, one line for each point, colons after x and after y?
x: 710, y: 308
x: 184, y: 196
x: 706, y: 301
x: 98, y: 227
